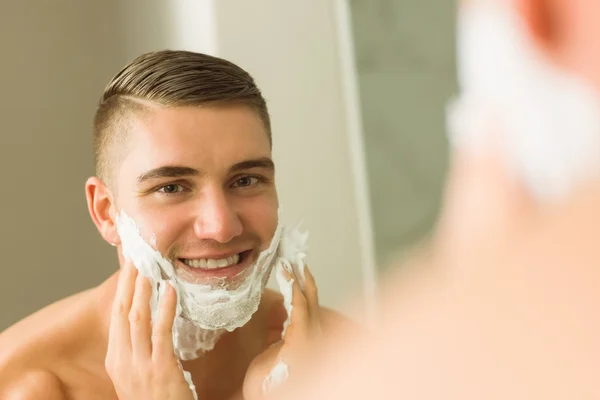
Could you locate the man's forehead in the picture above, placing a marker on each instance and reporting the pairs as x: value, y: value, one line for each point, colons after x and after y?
x: 198, y: 138
x: 199, y: 121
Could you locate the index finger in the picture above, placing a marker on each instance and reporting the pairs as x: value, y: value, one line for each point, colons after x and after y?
x: 118, y: 334
x: 162, y: 331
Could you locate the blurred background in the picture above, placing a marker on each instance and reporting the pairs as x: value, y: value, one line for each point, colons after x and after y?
x: 356, y: 90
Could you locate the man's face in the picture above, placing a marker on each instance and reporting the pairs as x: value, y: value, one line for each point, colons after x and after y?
x: 199, y: 181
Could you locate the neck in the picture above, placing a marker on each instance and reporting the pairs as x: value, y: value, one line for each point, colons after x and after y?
x: 220, y: 372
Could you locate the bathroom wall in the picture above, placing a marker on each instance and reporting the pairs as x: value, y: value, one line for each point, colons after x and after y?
x: 405, y: 62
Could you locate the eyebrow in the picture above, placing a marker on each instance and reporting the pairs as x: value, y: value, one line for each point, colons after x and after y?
x: 179, y: 172
x: 264, y: 162
x: 167, y: 172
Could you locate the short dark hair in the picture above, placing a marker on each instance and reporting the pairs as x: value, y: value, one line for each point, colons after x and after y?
x: 169, y: 78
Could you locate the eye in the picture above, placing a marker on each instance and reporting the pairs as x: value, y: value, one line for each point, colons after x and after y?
x: 171, y: 189
x: 246, y: 181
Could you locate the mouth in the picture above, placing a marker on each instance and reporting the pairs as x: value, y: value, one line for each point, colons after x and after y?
x: 205, y: 270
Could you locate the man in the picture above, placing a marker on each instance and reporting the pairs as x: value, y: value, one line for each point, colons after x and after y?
x: 183, y: 154
x: 505, y: 304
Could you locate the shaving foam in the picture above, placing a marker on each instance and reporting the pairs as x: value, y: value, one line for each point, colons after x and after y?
x: 278, y: 376
x: 544, y: 121
x: 286, y: 289
x: 205, y: 312
x: 292, y: 254
x: 188, y: 378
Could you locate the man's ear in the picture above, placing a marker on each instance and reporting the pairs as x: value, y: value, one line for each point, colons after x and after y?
x: 542, y: 20
x: 102, y: 209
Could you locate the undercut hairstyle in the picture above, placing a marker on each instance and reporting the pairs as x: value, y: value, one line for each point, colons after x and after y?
x: 167, y: 79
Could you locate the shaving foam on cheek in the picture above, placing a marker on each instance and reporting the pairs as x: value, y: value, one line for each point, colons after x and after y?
x: 203, y: 312
x: 188, y: 340
x: 545, y: 122
x: 151, y: 264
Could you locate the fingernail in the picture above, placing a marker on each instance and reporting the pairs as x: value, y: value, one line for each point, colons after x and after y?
x: 307, y: 271
x: 287, y: 274
x: 172, y: 287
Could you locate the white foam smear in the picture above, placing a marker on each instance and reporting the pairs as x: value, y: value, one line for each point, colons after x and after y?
x: 285, y: 287
x: 279, y: 375
x: 204, y: 312
x: 188, y: 378
x: 292, y: 255
x: 547, y: 120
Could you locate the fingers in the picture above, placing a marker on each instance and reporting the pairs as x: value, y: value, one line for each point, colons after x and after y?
x: 311, y: 293
x: 119, y: 337
x: 140, y: 319
x: 300, y: 319
x: 162, y: 336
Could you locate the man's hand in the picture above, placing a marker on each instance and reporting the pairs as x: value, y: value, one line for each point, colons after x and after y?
x: 272, y: 367
x: 140, y: 359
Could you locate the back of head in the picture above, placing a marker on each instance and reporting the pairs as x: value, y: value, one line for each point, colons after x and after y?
x: 167, y: 79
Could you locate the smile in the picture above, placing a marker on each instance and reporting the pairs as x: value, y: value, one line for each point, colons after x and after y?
x: 200, y: 269
x: 211, y: 263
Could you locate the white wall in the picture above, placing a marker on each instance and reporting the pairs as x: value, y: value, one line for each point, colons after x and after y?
x: 56, y: 59
x: 406, y: 76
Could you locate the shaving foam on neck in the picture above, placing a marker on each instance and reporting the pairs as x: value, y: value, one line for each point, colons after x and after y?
x: 544, y: 121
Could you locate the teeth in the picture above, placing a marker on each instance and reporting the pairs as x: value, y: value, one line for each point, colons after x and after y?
x: 210, y: 263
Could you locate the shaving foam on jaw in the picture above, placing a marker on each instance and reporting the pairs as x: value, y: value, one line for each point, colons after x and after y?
x: 545, y: 120
x: 203, y: 313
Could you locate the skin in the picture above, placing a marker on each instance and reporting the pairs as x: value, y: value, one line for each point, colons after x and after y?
x: 220, y: 199
x: 503, y: 301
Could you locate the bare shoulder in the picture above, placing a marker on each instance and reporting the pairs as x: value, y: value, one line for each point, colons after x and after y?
x: 35, y: 348
x: 330, y: 319
x: 22, y: 374
x: 33, y: 384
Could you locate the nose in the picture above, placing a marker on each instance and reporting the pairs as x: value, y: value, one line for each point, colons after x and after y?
x: 217, y: 220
